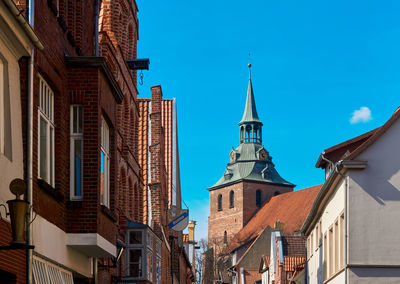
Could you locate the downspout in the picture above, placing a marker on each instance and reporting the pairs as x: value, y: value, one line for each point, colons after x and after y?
x: 242, y: 276
x: 29, y: 149
x: 346, y: 192
x: 346, y: 230
x: 96, y: 27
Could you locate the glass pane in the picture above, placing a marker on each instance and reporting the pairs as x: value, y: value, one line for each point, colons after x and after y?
x: 43, y: 149
x: 80, y: 118
x: 135, y: 237
x: 102, y: 177
x: 135, y: 270
x: 135, y: 255
x: 78, y: 167
x: 74, y: 120
x: 51, y: 181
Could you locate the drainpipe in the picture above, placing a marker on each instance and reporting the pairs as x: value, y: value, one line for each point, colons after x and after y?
x: 346, y: 230
x: 346, y: 192
x: 29, y: 148
x: 96, y: 27
x: 242, y: 275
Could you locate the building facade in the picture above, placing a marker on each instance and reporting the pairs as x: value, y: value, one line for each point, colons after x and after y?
x: 17, y: 40
x: 161, y: 189
x: 350, y: 233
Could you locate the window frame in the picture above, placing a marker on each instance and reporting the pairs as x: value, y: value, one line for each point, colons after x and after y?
x: 105, y: 158
x: 231, y: 199
x: 46, y: 113
x: 219, y: 202
x: 76, y: 136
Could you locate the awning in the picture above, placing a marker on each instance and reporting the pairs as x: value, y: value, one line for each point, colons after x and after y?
x: 45, y: 272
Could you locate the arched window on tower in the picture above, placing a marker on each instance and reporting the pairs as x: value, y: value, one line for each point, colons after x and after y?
x: 231, y: 199
x: 225, y: 237
x: 220, y: 202
x: 258, y: 198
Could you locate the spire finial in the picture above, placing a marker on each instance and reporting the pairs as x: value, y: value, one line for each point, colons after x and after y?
x: 249, y: 65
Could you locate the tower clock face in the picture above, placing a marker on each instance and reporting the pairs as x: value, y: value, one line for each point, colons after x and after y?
x: 263, y: 155
x: 233, y: 156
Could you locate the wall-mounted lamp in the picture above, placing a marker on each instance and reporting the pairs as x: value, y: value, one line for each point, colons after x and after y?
x: 17, y: 210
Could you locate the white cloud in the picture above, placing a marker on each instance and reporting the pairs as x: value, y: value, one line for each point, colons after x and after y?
x: 361, y: 115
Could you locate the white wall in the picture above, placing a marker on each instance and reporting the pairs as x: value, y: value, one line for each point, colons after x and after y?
x: 13, y: 168
x: 331, y: 212
x: 55, y: 247
x: 374, y: 203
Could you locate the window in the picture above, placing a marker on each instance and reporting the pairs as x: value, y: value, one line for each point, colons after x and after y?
x: 330, y: 253
x: 76, y: 154
x: 341, y: 224
x: 258, y: 198
x: 105, y: 164
x: 225, y: 237
x: 135, y: 254
x: 311, y: 243
x: 336, y: 232
x: 317, y: 237
x: 231, y: 199
x: 141, y: 254
x: 158, y: 263
x: 2, y: 120
x: 220, y: 202
x: 46, y: 132
x: 325, y: 246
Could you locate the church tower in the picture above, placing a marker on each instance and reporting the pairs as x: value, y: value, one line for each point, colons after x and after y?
x: 250, y: 179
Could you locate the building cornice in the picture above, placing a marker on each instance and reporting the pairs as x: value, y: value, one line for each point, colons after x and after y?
x: 100, y: 63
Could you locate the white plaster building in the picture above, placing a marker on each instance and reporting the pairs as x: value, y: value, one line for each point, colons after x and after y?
x: 352, y: 230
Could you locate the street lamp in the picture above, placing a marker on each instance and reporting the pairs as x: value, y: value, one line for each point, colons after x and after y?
x: 17, y: 210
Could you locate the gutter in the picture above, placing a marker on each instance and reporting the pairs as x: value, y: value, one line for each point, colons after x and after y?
x: 339, y: 166
x: 24, y: 23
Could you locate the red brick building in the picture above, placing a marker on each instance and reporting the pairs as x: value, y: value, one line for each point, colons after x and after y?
x: 159, y: 160
x: 80, y: 157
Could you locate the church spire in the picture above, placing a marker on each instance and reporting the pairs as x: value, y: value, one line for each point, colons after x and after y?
x: 250, y: 125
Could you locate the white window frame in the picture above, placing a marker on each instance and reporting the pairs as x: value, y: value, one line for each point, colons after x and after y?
x: 105, y: 151
x: 46, y: 112
x: 140, y: 247
x: 2, y: 118
x: 76, y: 134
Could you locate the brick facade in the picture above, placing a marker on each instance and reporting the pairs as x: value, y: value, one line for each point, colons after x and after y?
x: 106, y: 88
x: 232, y: 220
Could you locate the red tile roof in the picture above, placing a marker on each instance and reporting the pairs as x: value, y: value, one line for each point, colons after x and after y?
x: 294, y: 245
x: 290, y: 208
x: 291, y: 262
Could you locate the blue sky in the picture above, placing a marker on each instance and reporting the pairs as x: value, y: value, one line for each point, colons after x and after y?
x: 314, y: 64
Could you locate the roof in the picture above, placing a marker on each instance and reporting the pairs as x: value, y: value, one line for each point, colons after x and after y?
x: 250, y: 111
x: 290, y: 208
x: 248, y: 166
x: 335, y: 153
x: 290, y: 263
x: 348, y: 159
x: 293, y: 245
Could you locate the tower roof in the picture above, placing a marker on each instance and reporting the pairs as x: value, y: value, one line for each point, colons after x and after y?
x: 250, y: 111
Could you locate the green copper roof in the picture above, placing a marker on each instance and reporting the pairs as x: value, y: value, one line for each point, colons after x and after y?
x: 250, y: 111
x: 248, y: 166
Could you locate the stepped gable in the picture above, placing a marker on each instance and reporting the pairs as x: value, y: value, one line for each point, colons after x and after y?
x: 290, y: 208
